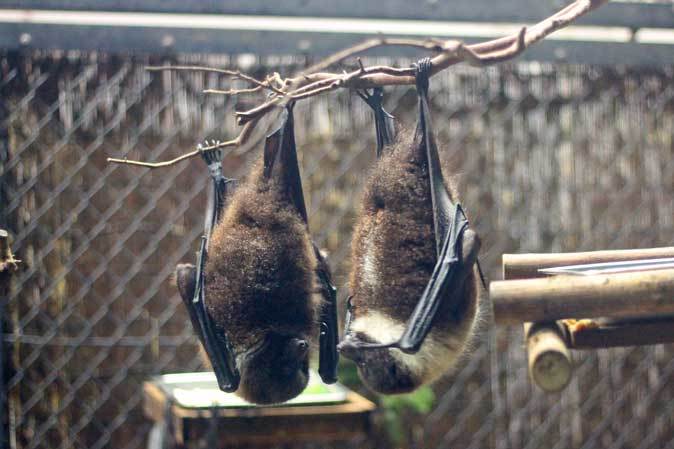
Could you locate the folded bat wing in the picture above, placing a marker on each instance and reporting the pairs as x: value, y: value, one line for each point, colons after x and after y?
x: 455, y: 258
x: 280, y: 164
x: 215, y: 342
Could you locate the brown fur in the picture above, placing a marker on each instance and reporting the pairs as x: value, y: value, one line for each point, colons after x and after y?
x: 393, y: 256
x: 260, y: 279
x: 396, y: 216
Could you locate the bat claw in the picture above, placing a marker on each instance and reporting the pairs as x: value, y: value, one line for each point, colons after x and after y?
x: 210, y: 152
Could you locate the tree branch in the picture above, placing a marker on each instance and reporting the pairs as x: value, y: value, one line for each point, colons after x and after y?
x: 426, y: 44
x: 453, y: 52
x: 314, y: 81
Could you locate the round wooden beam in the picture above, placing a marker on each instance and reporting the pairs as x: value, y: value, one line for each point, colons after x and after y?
x: 636, y: 294
x: 550, y: 364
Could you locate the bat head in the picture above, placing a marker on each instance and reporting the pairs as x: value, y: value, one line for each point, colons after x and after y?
x: 274, y: 370
x: 385, y: 370
x: 273, y: 367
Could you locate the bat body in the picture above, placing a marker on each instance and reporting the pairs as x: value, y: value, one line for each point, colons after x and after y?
x: 260, y: 281
x: 408, y: 324
x: 393, y: 256
x: 260, y: 278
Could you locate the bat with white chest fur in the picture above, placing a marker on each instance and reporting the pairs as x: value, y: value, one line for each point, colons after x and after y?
x: 414, y: 304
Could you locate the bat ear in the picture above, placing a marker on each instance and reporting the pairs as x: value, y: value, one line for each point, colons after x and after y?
x: 186, y: 278
x: 470, y: 246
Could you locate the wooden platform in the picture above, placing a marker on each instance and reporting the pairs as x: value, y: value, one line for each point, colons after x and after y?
x: 316, y: 423
x: 598, y: 299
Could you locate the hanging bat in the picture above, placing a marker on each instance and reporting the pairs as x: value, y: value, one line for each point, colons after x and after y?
x: 414, y: 306
x: 253, y: 299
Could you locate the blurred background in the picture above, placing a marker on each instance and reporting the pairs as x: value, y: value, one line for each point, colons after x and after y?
x: 568, y: 148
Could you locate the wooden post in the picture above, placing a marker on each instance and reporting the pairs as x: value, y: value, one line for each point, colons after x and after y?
x: 637, y: 294
x: 7, y: 266
x: 550, y: 364
x: 523, y: 266
x: 7, y: 260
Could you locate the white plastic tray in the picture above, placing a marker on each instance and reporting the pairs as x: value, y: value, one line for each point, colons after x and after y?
x: 200, y: 390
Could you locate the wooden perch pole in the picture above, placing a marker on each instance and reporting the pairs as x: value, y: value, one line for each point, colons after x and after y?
x: 618, y: 295
x: 523, y: 266
x: 535, y: 296
x: 550, y: 365
x: 628, y: 333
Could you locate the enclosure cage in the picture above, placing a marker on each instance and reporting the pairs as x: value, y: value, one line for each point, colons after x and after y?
x: 569, y: 148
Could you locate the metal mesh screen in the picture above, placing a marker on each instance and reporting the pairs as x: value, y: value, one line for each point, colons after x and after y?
x: 550, y: 158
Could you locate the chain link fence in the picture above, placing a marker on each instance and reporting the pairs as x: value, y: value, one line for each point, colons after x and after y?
x: 549, y: 157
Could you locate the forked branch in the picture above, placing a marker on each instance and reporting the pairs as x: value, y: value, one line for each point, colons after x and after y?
x: 314, y: 81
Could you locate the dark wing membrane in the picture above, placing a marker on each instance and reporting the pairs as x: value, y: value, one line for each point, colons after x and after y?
x: 450, y: 223
x: 280, y: 161
x: 214, y: 341
x: 443, y: 207
x: 448, y: 276
x: 329, y: 334
x: 383, y: 121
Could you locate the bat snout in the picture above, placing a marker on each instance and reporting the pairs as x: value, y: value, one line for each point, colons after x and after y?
x: 352, y: 350
x: 298, y: 348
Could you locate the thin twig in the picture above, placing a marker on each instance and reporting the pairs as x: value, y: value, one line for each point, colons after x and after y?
x: 232, y: 73
x: 233, y: 91
x: 242, y: 137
